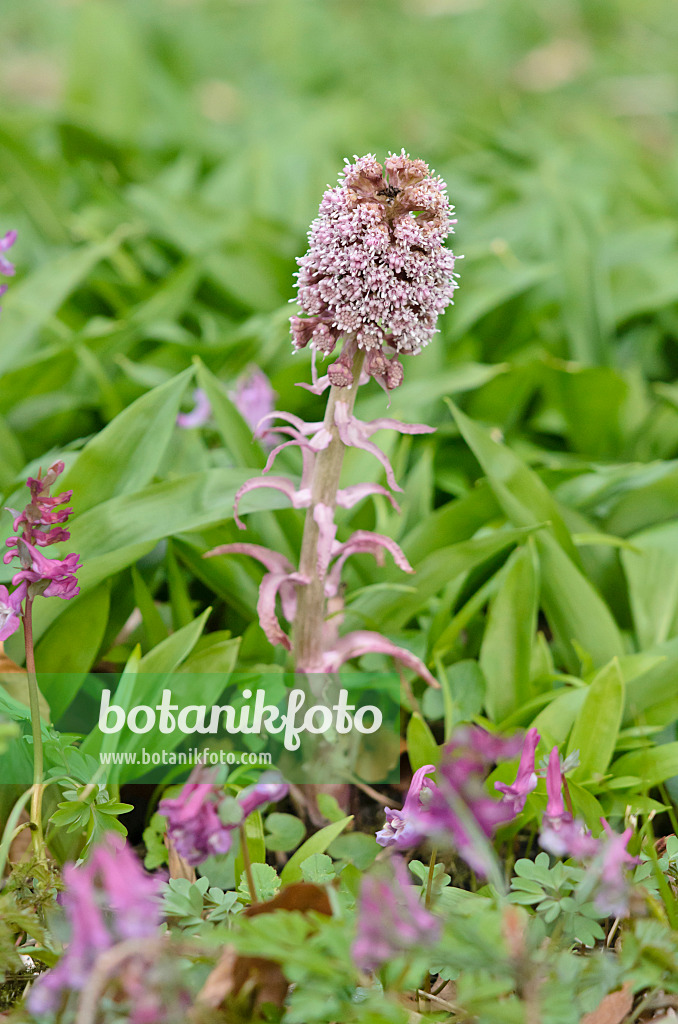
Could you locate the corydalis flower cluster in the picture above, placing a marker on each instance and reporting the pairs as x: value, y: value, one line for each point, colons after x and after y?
x: 201, y: 819
x: 39, y: 525
x: 106, y: 901
x: 377, y: 273
x: 6, y: 267
x: 458, y: 807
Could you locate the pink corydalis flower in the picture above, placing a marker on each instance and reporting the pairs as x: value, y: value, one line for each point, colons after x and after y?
x: 561, y: 834
x: 516, y: 794
x: 459, y: 809
x: 108, y: 899
x: 10, y: 610
x: 200, y: 819
x: 6, y: 267
x: 612, y: 895
x: 377, y: 272
x: 199, y: 414
x: 253, y: 397
x: 391, y: 919
x: 400, y: 829
x: 39, y: 526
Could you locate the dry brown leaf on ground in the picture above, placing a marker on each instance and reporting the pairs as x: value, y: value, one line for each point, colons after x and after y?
x: 613, y: 1007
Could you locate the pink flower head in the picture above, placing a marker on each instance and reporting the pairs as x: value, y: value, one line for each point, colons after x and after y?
x: 377, y: 272
x: 268, y: 790
x: 253, y: 397
x: 400, y: 829
x: 517, y: 793
x: 391, y: 919
x: 199, y: 414
x: 6, y: 243
x: 108, y: 899
x: 193, y: 823
x: 58, y: 573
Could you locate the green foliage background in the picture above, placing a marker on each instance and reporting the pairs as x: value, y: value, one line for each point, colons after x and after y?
x: 162, y: 161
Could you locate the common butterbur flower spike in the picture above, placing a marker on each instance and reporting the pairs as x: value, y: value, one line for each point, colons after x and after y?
x: 375, y: 279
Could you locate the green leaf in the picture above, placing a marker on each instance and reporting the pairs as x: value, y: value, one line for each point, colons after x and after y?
x: 574, y: 609
x: 125, y: 455
x: 155, y: 628
x: 506, y: 650
x: 651, y: 568
x: 652, y: 765
x: 70, y: 645
x: 266, y: 883
x: 318, y: 869
x: 175, y: 648
x: 596, y: 727
x: 283, y: 831
x: 317, y: 843
x: 421, y: 745
x: 524, y: 497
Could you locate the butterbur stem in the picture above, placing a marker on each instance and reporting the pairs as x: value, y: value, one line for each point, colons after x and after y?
x: 310, y: 617
x: 36, y: 726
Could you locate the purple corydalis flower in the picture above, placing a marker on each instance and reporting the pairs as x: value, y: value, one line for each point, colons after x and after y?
x: 253, y: 397
x: 400, y: 830
x: 107, y: 900
x: 377, y: 272
x: 199, y: 414
x: 194, y: 823
x: 459, y: 808
x: 268, y: 790
x: 612, y: 896
x: 561, y: 834
x: 516, y: 794
x: 38, y: 527
x: 6, y: 267
x: 391, y: 919
x: 10, y: 610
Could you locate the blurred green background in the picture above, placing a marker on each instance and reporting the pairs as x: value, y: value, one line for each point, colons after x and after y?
x: 162, y: 161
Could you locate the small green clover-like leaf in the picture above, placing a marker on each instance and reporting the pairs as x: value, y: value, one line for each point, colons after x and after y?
x: 318, y: 869
x: 156, y: 851
x: 329, y: 807
x: 266, y: 883
x: 356, y: 848
x: 284, y: 832
x: 440, y: 876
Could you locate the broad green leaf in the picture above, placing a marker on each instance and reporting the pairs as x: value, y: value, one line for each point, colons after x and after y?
x: 652, y: 765
x: 558, y: 717
x: 651, y: 568
x: 525, y: 499
x: 596, y: 727
x: 421, y: 745
x: 69, y: 647
x: 317, y: 843
x: 506, y: 651
x: 574, y: 609
x: 171, y: 651
x: 124, y: 456
x: 156, y: 630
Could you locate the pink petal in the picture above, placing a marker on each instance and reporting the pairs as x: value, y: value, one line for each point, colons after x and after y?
x: 299, y: 498
x: 352, y: 432
x: 363, y: 641
x: 347, y: 497
x: 289, y: 417
x: 273, y: 561
x: 363, y: 541
x: 199, y: 415
x: 270, y: 585
x: 403, y: 428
